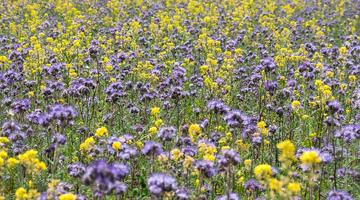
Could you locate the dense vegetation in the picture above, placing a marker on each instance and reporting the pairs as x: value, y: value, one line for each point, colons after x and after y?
x: 179, y: 99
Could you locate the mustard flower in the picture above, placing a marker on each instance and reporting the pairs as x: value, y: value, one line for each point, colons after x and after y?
x: 263, y: 171
x: 67, y: 196
x: 101, y: 132
x: 287, y: 149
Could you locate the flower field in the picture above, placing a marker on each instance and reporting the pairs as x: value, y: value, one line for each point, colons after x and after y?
x: 179, y: 99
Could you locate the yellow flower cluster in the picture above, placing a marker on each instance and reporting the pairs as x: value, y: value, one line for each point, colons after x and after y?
x: 207, y: 151
x: 101, y: 132
x: 153, y: 130
x: 263, y: 171
x: 176, y: 154
x: 3, y: 141
x: 30, y: 161
x: 67, y: 196
x: 87, y: 144
x: 194, y: 131
x: 262, y: 126
x: 310, y: 158
x: 3, y: 156
x: 295, y: 105
x: 116, y: 146
x: 23, y: 194
x: 155, y: 111
x: 287, y: 149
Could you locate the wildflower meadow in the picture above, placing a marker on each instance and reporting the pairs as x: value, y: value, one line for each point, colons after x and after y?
x: 179, y: 99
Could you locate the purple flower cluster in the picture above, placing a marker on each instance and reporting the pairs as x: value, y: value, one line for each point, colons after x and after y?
x: 105, y: 177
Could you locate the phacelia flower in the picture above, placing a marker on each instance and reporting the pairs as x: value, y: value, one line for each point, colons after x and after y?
x: 339, y: 195
x: 160, y: 183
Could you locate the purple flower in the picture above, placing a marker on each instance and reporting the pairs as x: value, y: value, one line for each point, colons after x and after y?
x: 62, y: 113
x: 334, y: 106
x: 206, y: 168
x: 182, y: 194
x: 152, y: 148
x: 20, y: 105
x: 160, y: 183
x: 114, y: 92
x: 39, y: 117
x: 231, y: 196
x: 270, y: 86
x: 127, y: 152
x: 217, y: 106
x: 348, y: 133
x: 80, y: 87
x: 105, y: 177
x: 252, y: 185
x: 228, y: 157
x: 166, y: 133
x: 338, y: 195
x: 235, y: 118
x: 76, y: 169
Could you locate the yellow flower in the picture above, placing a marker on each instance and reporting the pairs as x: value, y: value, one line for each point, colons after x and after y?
x: 101, y: 132
x: 294, y: 187
x: 21, y: 194
x: 76, y: 43
x: 318, y: 83
x: 12, y: 162
x: 28, y: 156
x: 87, y: 144
x: 176, y: 154
x: 275, y: 184
x: 3, y: 154
x: 33, y: 194
x: 188, y: 161
x: 225, y: 148
x: 343, y: 50
x: 352, y: 78
x: 3, y: 59
x: 319, y: 65
x: 263, y: 171
x: 153, y: 130
x: 204, y: 69
x: 41, y: 166
x: 209, y: 157
x: 305, y: 117
x: 247, y: 162
x: 68, y: 196
x: 155, y: 111
x: 139, y: 144
x: 116, y: 145
x: 158, y: 122
x: 287, y: 149
x: 194, y: 131
x: 112, y: 80
x: 197, y: 183
x: 109, y: 68
x: 261, y: 125
x: 330, y: 74
x: 310, y: 158
x: 295, y: 104
x: 31, y: 93
x: 4, y: 140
